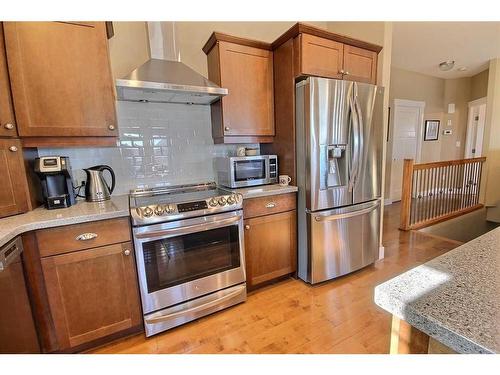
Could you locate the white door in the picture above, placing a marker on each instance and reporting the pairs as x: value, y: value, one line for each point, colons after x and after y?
x: 406, y: 140
x: 475, y: 128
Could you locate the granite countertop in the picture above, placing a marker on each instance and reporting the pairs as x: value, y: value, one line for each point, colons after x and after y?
x: 454, y: 298
x: 117, y: 206
x: 81, y: 212
x: 264, y: 190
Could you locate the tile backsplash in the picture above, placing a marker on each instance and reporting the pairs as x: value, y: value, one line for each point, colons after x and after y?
x: 160, y: 144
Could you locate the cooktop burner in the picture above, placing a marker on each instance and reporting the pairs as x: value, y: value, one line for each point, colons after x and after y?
x: 148, y: 206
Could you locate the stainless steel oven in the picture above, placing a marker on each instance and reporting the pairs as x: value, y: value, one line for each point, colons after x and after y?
x: 241, y: 171
x: 189, y: 268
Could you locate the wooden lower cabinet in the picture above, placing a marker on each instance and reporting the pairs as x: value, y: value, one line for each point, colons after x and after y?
x: 92, y: 293
x: 270, y: 247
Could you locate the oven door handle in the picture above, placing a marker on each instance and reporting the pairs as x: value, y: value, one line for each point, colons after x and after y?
x: 202, y: 307
x: 174, y: 232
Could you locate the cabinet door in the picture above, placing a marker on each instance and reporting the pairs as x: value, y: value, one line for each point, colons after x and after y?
x: 61, y: 79
x: 247, y: 73
x: 270, y: 247
x: 360, y: 64
x: 92, y: 293
x: 13, y: 188
x: 320, y: 57
x: 7, y: 120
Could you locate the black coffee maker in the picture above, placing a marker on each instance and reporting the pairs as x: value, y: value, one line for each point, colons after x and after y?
x: 55, y: 175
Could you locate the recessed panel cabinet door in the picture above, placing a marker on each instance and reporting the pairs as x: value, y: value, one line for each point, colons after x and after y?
x: 320, y: 57
x: 270, y: 247
x: 360, y: 65
x: 247, y: 73
x: 61, y: 79
x: 13, y: 187
x: 92, y: 293
x: 7, y: 120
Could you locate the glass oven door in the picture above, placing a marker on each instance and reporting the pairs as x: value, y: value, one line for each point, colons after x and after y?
x: 185, y: 259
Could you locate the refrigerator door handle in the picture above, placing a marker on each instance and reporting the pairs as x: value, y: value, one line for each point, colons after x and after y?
x: 361, y: 126
x: 347, y: 214
x: 355, y: 156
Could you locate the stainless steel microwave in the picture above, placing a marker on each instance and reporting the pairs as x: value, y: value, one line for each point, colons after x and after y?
x: 242, y: 171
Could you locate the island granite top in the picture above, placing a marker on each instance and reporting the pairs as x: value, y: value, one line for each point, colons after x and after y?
x: 454, y: 298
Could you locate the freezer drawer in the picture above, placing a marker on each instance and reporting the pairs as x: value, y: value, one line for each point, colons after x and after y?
x: 343, y: 240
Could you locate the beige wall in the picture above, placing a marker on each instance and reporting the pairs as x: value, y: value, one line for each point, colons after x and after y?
x: 455, y: 91
x: 128, y: 48
x: 437, y: 93
x: 491, y: 145
x: 191, y: 36
x: 479, y: 85
x: 415, y: 86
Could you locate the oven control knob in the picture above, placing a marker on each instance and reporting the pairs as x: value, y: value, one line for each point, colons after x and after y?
x: 170, y: 209
x: 147, y: 212
x: 222, y: 201
x: 213, y: 202
x: 231, y: 199
x: 159, y: 210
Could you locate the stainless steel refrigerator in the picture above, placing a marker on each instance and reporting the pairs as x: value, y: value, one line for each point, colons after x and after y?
x: 339, y: 140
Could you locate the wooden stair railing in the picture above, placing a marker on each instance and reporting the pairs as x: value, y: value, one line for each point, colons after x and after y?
x: 434, y: 192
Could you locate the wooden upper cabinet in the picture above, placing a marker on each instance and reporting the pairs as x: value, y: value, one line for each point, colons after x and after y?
x: 13, y: 189
x: 7, y: 119
x: 320, y: 57
x: 92, y: 293
x: 246, y: 114
x: 61, y: 79
x: 360, y: 64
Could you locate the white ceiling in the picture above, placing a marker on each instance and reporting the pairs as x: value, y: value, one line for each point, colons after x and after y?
x: 421, y: 46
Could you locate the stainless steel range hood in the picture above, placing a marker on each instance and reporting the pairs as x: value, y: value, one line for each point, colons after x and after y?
x: 164, y: 80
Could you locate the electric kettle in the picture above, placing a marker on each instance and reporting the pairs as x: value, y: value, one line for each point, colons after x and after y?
x: 96, y: 187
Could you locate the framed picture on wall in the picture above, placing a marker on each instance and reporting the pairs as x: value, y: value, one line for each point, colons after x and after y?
x: 431, y: 130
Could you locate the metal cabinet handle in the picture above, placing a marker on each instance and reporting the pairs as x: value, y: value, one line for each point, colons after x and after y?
x: 346, y: 73
x: 9, y: 126
x: 247, y: 227
x: 111, y: 127
x: 86, y: 236
x: 127, y: 252
x: 270, y: 205
x: 341, y: 71
x: 13, y: 148
x: 226, y: 128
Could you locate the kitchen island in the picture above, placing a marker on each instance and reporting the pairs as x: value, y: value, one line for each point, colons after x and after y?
x: 454, y: 299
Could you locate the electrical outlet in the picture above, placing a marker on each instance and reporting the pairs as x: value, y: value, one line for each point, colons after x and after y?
x: 449, y: 123
x: 457, y: 143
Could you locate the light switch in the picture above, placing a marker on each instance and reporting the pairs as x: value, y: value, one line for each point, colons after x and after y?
x: 457, y: 143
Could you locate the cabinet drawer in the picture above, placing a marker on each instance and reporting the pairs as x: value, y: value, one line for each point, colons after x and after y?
x: 66, y: 239
x: 261, y: 206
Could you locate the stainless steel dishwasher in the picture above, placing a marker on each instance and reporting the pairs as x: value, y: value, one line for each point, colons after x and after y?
x: 17, y: 329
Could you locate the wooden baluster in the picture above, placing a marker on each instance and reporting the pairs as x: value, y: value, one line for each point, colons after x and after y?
x: 406, y: 194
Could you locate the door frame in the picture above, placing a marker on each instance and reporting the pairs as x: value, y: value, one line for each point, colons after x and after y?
x: 405, y: 103
x: 468, y: 139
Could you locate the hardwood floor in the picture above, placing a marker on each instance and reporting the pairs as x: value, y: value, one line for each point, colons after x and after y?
x: 338, y: 316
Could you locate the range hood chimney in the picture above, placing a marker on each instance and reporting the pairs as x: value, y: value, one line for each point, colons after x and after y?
x: 163, y: 78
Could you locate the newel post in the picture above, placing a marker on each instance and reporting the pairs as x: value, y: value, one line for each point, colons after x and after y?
x: 406, y: 194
